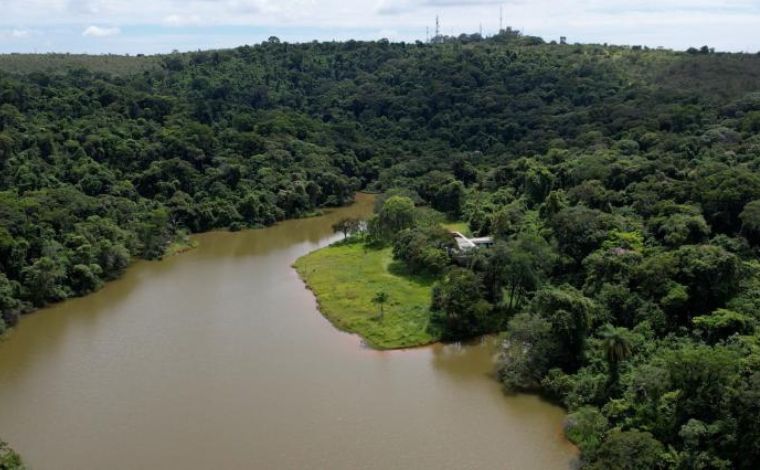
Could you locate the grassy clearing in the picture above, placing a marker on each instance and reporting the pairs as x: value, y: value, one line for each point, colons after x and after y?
x: 346, y: 277
x: 460, y: 227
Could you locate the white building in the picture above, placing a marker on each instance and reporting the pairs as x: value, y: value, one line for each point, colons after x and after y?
x: 467, y: 244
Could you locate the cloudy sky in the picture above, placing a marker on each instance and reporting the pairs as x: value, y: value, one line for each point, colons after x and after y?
x: 150, y: 26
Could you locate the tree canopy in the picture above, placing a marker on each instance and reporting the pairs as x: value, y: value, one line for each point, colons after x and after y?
x: 621, y: 186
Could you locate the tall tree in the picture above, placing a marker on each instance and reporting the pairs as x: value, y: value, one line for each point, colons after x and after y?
x: 347, y: 226
x: 380, y: 299
x: 617, y: 348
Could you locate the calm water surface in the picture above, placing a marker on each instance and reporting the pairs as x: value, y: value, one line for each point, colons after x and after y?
x: 218, y: 358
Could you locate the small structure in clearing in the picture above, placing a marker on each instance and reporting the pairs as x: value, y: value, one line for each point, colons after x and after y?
x: 467, y: 244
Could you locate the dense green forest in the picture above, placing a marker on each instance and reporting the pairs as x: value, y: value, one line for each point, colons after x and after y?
x: 621, y: 184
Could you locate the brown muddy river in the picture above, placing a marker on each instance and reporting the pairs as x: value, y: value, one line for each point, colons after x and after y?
x: 218, y: 358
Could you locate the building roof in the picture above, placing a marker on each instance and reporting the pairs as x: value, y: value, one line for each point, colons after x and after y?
x: 464, y: 243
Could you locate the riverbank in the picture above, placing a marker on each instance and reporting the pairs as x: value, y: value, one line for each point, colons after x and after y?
x: 346, y: 277
x: 181, y: 246
x: 182, y: 243
x: 9, y: 459
x: 231, y: 325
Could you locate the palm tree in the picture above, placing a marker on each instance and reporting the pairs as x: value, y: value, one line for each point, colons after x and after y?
x: 617, y: 347
x: 380, y: 299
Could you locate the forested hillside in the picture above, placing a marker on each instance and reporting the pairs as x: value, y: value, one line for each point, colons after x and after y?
x: 621, y: 184
x: 60, y: 64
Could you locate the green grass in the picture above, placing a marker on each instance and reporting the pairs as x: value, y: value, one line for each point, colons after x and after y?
x: 460, y: 227
x: 346, y: 277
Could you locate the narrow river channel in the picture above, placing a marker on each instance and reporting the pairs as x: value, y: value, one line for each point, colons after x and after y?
x: 218, y: 358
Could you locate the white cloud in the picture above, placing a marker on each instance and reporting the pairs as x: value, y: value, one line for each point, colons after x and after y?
x: 100, y: 32
x: 17, y: 34
x: 20, y: 33
x: 182, y: 20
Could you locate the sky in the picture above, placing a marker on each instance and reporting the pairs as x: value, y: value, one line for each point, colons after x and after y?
x: 156, y: 26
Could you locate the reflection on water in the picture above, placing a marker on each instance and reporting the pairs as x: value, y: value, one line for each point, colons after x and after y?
x: 218, y: 358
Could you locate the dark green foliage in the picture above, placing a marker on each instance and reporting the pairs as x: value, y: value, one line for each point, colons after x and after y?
x: 580, y: 230
x: 678, y: 224
x: 570, y: 314
x: 9, y: 303
x: 397, y: 213
x: 552, y: 333
x: 621, y: 185
x: 458, y: 301
x: 347, y: 226
x: 616, y: 343
x: 723, y: 323
x: 691, y: 280
x: 629, y: 450
x: 39, y: 64
x: 380, y: 299
x: 425, y: 249
x: 9, y: 460
x: 43, y: 281
x: 518, y: 267
x: 528, y: 352
x: 586, y: 428
x: 750, y: 218
x: 726, y: 193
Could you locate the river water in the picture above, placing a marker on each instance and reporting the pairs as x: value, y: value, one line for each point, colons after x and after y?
x: 218, y: 358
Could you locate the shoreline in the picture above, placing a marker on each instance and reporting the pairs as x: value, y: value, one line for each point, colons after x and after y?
x: 343, y: 278
x: 173, y: 249
x: 362, y: 339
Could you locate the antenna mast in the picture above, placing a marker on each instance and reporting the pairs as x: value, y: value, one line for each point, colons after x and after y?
x: 501, y: 18
x: 437, y: 27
